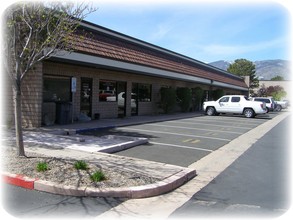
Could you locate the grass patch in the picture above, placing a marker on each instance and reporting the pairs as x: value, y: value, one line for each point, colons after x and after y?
x: 81, y: 165
x: 42, y: 167
x: 98, y: 176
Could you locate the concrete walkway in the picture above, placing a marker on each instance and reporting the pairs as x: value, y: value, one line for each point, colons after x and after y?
x: 106, y: 143
x: 79, y: 127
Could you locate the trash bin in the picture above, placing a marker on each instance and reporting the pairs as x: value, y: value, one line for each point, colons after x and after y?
x: 63, y: 113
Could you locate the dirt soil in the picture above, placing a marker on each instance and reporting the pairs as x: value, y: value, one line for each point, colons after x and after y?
x: 63, y: 171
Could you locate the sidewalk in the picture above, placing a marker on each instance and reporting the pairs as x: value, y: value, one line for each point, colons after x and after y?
x: 53, y: 142
x: 79, y: 127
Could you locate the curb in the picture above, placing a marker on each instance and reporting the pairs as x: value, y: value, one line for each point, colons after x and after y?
x: 18, y: 180
x: 133, y: 192
x: 124, y: 146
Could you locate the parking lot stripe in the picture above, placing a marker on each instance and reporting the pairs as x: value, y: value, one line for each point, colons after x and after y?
x: 178, y: 134
x: 180, y: 146
x: 253, y: 121
x: 195, y: 141
x: 187, y: 140
x: 220, y: 121
x: 200, y: 129
x: 224, y: 126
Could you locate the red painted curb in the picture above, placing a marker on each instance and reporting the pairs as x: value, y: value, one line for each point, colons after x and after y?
x: 19, y: 180
x: 134, y: 192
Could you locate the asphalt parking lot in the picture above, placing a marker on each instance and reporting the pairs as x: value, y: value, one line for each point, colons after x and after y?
x: 184, y: 141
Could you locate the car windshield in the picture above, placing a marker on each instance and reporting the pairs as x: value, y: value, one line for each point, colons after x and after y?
x: 246, y: 98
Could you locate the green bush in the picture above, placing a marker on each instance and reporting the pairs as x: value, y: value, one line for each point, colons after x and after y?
x: 80, y: 165
x: 218, y: 93
x: 198, y: 94
x: 184, y: 95
x: 168, y: 99
x: 42, y: 167
x: 98, y: 176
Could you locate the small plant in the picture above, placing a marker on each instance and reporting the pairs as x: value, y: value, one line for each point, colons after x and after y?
x: 42, y: 167
x: 98, y: 176
x: 80, y: 165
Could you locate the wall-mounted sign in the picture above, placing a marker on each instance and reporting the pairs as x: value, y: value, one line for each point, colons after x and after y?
x: 73, y: 84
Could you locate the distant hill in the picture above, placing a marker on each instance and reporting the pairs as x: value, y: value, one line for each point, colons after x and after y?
x: 265, y: 69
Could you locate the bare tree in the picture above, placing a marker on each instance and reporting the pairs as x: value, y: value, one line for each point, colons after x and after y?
x: 33, y: 32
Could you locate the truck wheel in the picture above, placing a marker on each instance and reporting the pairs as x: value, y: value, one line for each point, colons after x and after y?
x: 210, y: 111
x: 249, y: 113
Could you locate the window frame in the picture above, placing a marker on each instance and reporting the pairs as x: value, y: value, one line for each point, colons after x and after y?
x: 225, y: 97
x: 234, y: 97
x: 104, y: 99
x: 56, y: 77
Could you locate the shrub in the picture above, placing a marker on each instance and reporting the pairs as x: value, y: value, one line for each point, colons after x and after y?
x: 198, y: 94
x: 168, y: 99
x: 184, y: 95
x: 42, y: 167
x: 98, y: 176
x: 218, y: 93
x: 80, y: 165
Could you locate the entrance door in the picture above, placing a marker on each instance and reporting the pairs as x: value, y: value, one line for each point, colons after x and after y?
x: 134, y: 99
x: 86, y: 96
x: 121, y: 93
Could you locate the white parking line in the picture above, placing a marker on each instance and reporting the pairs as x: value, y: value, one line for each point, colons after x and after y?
x: 180, y: 146
x: 178, y: 134
x: 254, y: 121
x: 224, y: 126
x: 220, y: 121
x: 188, y: 128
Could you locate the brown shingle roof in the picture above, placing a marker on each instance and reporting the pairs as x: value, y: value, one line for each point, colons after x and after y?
x: 107, y: 46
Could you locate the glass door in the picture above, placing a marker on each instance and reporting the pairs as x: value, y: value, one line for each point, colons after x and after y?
x: 121, y: 95
x: 86, y: 96
x: 134, y: 99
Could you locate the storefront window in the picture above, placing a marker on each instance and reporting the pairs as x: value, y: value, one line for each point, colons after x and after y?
x: 144, y: 92
x: 107, y: 91
x: 56, y: 89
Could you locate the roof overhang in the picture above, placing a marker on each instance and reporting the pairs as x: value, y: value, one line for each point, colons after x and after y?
x: 100, y: 62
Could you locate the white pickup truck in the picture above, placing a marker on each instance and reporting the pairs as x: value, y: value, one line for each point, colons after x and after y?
x: 234, y: 104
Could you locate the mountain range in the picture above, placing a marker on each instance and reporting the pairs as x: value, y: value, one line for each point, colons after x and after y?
x: 265, y: 69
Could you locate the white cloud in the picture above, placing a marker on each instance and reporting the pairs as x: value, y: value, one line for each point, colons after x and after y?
x: 160, y: 31
x: 225, y: 50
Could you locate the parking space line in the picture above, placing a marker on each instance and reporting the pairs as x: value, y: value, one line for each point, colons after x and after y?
x: 195, y: 141
x: 201, y: 129
x: 220, y: 121
x: 224, y: 126
x: 227, y: 120
x: 187, y: 140
x: 180, y: 146
x: 178, y: 134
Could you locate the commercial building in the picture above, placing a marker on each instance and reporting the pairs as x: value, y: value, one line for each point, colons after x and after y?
x: 110, y: 74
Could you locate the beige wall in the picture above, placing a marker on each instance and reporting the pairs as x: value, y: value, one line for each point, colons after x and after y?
x: 32, y: 91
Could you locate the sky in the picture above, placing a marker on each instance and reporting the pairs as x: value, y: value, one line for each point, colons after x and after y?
x: 204, y: 30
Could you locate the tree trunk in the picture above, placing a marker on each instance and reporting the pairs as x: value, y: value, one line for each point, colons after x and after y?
x: 18, y: 121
